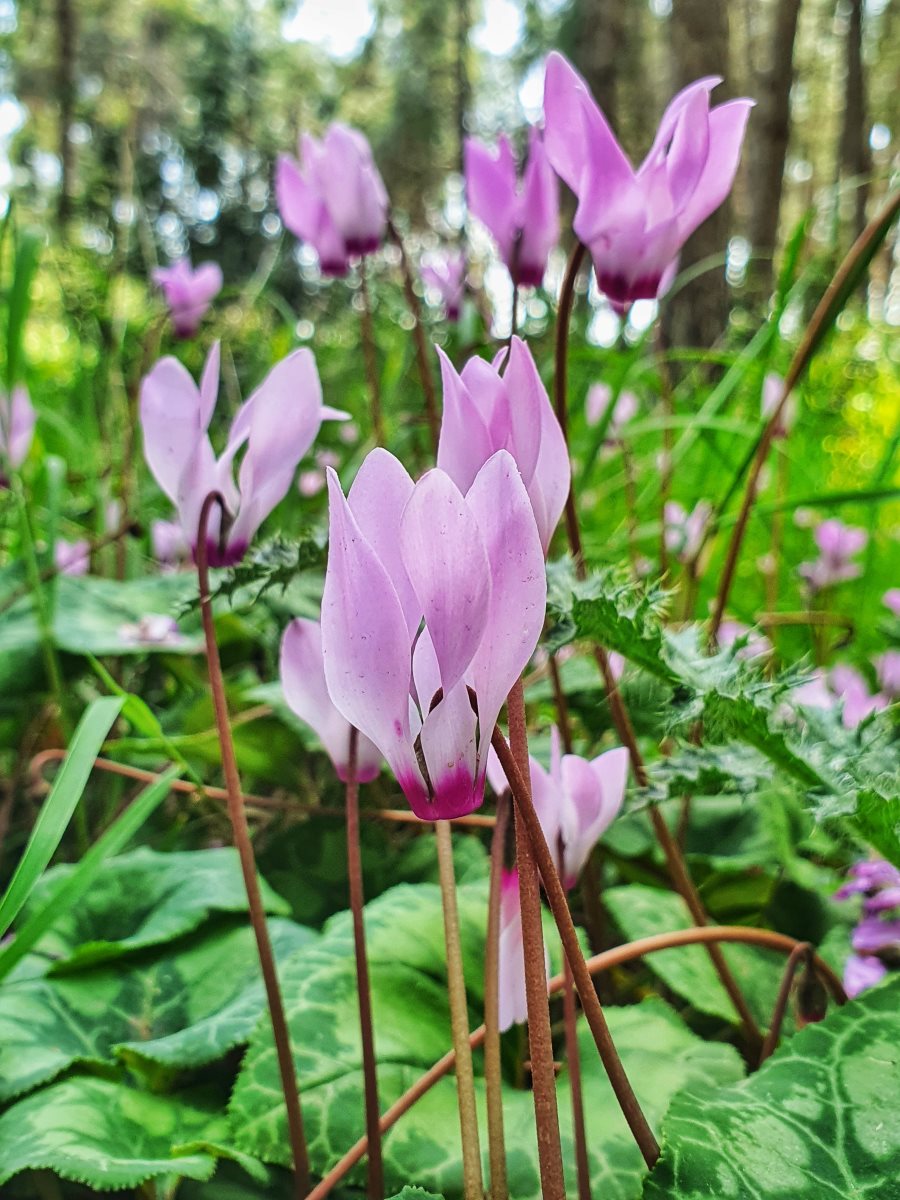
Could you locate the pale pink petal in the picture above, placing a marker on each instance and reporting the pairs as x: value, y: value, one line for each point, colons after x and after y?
x: 528, y: 400
x: 464, y: 443
x: 302, y: 671
x: 172, y: 421
x: 377, y: 499
x: 727, y: 124
x: 366, y: 644
x: 448, y: 745
x: 518, y: 583
x: 539, y: 215
x: 491, y: 190
x: 444, y: 556
x: 20, y: 423
x: 513, y: 1006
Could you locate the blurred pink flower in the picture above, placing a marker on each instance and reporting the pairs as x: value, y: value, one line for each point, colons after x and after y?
x: 757, y: 646
x: 72, y: 558
x: 335, y: 198
x: 598, y: 400
x: 771, y: 395
x: 837, y: 543
x: 684, y: 531
x: 444, y: 273
x: 512, y: 999
x: 170, y: 546
x: 522, y: 218
x: 274, y: 428
x: 17, y: 422
x: 188, y: 293
x: 635, y: 222
x: 887, y: 666
x: 891, y: 600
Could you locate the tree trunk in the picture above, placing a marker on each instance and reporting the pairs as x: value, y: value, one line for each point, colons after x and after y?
x: 698, y: 314
x: 463, y: 83
x: 598, y: 50
x: 65, y: 68
x: 767, y: 140
x: 855, y: 163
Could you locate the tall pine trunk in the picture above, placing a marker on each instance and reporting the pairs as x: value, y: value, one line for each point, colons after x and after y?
x: 767, y: 140
x: 698, y: 314
x: 853, y: 155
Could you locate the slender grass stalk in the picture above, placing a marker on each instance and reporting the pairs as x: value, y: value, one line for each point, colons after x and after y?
x: 493, y: 1075
x: 631, y: 520
x: 573, y: 1059
x: 473, y: 1187
x: 375, y: 1178
x: 674, y: 859
x: 593, y: 1010
x: 739, y: 934
x: 832, y: 301
x: 540, y: 1041
x: 370, y: 356
x: 415, y: 309
x: 244, y: 847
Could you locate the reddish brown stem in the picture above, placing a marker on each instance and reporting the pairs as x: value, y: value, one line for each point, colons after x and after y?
x: 415, y: 309
x: 473, y: 1188
x: 493, y: 1074
x: 244, y: 847
x: 621, y: 719
x: 593, y: 1010
x: 370, y: 356
x: 277, y: 803
x: 573, y: 1059
x: 540, y: 1042
x: 616, y: 957
x: 375, y: 1176
x: 803, y: 950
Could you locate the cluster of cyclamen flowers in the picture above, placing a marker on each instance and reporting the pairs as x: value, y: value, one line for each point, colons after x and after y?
x: 876, y: 938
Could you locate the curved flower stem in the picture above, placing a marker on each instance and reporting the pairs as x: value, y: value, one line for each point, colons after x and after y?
x: 493, y: 1076
x: 540, y: 1042
x: 739, y: 934
x: 561, y: 387
x: 370, y: 355
x: 593, y: 1010
x: 244, y: 847
x: 674, y: 859
x: 815, y: 330
x: 473, y: 1188
x: 573, y: 1059
x: 415, y: 309
x: 375, y: 1181
x: 802, y: 951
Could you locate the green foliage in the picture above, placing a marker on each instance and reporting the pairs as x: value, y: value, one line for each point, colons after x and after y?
x: 816, y: 1121
x: 143, y: 899
x: 404, y: 936
x: 850, y: 776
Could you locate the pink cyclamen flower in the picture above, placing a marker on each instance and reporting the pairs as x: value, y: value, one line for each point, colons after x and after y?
x: 684, y: 531
x: 891, y: 600
x: 170, y: 546
x: 72, y: 558
x: 838, y: 543
x: 188, y: 293
x: 512, y: 998
x: 597, y: 404
x: 469, y: 564
x: 757, y: 644
x: 274, y: 428
x: 635, y: 222
x: 773, y: 385
x: 485, y: 411
x: 445, y: 274
x: 335, y: 199
x: 523, y: 219
x: 850, y: 686
x: 17, y: 422
x: 576, y: 801
x: 887, y: 666
x: 302, y: 671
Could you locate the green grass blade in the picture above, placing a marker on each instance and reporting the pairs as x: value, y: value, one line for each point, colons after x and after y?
x: 59, y: 805
x: 25, y: 261
x: 74, y: 886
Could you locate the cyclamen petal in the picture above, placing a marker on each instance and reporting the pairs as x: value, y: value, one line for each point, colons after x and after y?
x: 188, y: 292
x: 277, y: 425
x: 302, y: 671
x: 17, y: 422
x: 513, y: 1003
x: 635, y: 223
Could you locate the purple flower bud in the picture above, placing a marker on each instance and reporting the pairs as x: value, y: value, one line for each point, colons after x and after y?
x: 445, y: 275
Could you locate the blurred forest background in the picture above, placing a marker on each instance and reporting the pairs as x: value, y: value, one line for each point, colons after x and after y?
x: 142, y: 130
